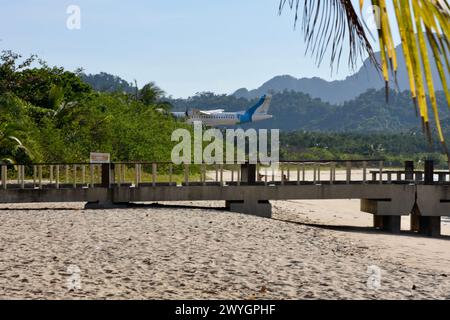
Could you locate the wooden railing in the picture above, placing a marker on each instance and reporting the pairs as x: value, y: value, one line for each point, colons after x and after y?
x: 135, y: 174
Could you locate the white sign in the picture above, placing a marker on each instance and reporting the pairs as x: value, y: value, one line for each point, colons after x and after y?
x: 97, y: 157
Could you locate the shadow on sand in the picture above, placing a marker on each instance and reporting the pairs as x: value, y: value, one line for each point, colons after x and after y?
x: 354, y: 229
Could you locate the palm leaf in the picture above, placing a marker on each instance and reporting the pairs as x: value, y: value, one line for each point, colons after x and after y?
x: 332, y: 25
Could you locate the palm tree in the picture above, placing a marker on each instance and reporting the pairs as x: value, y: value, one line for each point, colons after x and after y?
x: 329, y: 25
x: 10, y: 143
x: 151, y: 93
x: 13, y: 129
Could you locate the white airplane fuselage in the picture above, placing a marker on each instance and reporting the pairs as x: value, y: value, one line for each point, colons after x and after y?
x: 220, y: 119
x: 258, y: 112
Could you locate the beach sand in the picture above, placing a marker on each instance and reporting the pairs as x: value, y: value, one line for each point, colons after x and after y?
x: 309, y: 250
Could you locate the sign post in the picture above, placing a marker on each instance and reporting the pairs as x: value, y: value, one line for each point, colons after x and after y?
x: 100, y: 158
x: 105, y: 160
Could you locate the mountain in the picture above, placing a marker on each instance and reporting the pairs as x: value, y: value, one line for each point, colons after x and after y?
x: 338, y: 91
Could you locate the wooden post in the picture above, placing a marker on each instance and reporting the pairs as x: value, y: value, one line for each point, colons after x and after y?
x: 221, y: 175
x: 203, y: 174
x: 40, y: 176
x: 83, y: 174
x: 364, y: 172
x: 105, y: 175
x: 381, y: 172
x: 74, y: 175
x: 318, y: 173
x: 348, y: 172
x: 170, y: 173
x: 51, y: 174
x: 4, y: 176
x: 186, y: 174
x: 22, y: 177
x: 34, y: 176
x: 119, y: 174
x: 136, y: 175
x: 429, y: 172
x: 140, y: 179
x: 409, y: 170
x: 282, y: 176
x: 67, y: 175
x: 419, y: 176
x: 154, y: 174
x: 332, y: 168
x: 91, y: 172
x: 239, y: 175
x: 265, y: 176
x: 248, y: 173
x: 57, y: 176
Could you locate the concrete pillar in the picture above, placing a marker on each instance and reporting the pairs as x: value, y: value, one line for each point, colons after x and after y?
x: 430, y: 226
x: 429, y: 172
x: 251, y: 204
x: 414, y: 222
x: 409, y: 170
x: 106, y: 175
x: 248, y: 173
x: 377, y: 221
x: 390, y: 224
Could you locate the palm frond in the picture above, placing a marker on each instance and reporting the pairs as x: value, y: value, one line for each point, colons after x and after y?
x: 332, y: 25
x: 7, y: 160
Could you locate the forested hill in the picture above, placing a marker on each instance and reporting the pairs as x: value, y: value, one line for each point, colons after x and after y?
x: 298, y: 111
x: 105, y: 82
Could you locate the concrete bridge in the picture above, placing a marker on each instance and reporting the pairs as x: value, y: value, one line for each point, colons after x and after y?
x: 245, y: 188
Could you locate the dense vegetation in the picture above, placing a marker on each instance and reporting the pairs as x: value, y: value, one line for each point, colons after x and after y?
x: 395, y: 148
x: 49, y: 114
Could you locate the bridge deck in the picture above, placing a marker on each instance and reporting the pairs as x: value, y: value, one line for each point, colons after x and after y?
x: 206, y: 192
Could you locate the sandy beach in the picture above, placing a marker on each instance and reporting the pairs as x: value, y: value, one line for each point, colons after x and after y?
x: 309, y: 250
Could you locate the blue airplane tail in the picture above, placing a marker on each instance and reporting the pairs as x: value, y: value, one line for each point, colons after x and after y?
x: 261, y: 107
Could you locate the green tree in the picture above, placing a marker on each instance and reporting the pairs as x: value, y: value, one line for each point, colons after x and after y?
x: 15, y: 129
x: 152, y: 95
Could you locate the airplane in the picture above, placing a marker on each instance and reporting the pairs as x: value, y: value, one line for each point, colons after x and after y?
x: 219, y: 117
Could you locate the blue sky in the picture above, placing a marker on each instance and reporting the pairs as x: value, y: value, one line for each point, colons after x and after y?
x: 185, y: 46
